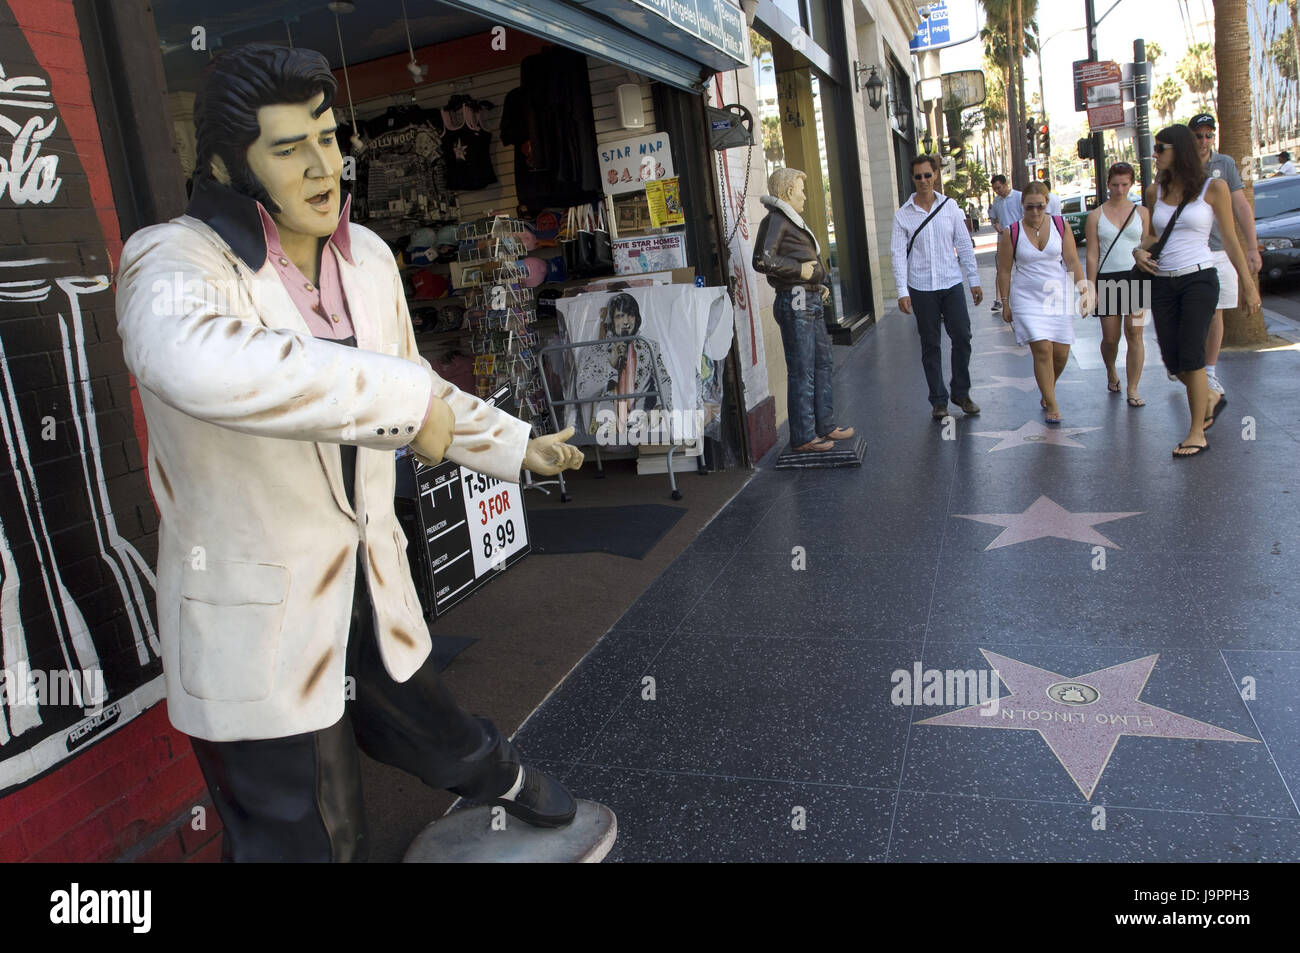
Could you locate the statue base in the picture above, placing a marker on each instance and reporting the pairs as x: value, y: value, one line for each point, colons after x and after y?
x: 487, y: 835
x: 842, y: 456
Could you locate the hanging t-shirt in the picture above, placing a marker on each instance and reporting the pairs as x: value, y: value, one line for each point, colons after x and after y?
x: 690, y: 329
x: 402, y: 176
x: 467, y: 149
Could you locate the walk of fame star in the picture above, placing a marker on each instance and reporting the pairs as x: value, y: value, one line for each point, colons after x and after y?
x: 1035, y: 434
x: 1046, y: 518
x: 1081, y: 718
x: 1022, y: 384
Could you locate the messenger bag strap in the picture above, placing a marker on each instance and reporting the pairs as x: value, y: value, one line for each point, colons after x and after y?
x: 912, y: 241
x: 1155, y: 250
x: 1131, y: 213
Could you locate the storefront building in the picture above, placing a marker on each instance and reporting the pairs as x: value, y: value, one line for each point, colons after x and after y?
x: 98, y: 102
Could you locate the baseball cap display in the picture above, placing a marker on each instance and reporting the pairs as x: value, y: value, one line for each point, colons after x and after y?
x: 548, y: 228
x: 430, y: 285
x: 419, y: 251
x: 536, y: 272
x: 555, y: 268
x: 1199, y: 120
x: 446, y: 244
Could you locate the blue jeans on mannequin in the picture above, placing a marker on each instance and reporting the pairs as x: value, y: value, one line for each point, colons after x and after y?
x: 946, y: 307
x: 808, y: 364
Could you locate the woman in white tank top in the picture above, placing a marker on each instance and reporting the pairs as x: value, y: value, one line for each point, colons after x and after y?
x: 1184, y: 281
x: 1114, y: 231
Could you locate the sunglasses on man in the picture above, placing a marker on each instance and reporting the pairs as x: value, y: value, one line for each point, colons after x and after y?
x: 923, y: 175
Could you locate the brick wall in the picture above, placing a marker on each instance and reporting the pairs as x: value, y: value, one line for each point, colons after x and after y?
x: 84, y: 778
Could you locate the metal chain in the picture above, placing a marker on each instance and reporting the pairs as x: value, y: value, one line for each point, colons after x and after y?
x: 722, y: 177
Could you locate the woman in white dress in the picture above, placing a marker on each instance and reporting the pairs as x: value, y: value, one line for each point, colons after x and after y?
x: 1036, y: 259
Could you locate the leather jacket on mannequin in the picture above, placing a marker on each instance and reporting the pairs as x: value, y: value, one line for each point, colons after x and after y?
x: 781, y: 247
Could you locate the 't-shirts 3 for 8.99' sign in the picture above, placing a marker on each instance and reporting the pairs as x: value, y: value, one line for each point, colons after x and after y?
x: 627, y: 164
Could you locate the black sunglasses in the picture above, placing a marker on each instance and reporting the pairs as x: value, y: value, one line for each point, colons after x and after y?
x: 923, y: 175
x: 1160, y: 147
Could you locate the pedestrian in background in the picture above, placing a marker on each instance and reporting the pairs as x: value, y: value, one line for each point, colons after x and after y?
x: 1114, y: 230
x: 1038, y: 269
x: 1287, y: 167
x: 1185, y: 282
x: 1004, y: 212
x: 1053, y: 200
x: 1222, y: 167
x: 930, y: 248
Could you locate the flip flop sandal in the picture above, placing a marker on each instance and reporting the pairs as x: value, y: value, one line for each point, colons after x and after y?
x: 1218, y: 408
x: 1053, y: 421
x: 1113, y: 388
x: 1136, y: 402
x: 1193, y: 447
x: 1209, y: 422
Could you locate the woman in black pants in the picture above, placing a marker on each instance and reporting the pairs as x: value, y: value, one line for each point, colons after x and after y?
x: 1185, y: 284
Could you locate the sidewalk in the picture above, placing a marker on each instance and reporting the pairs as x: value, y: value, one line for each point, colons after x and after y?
x: 746, y: 708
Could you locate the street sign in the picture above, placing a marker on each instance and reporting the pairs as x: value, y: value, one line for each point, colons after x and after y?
x: 1080, y: 97
x: 1101, y: 82
x: 945, y: 23
x: 967, y: 85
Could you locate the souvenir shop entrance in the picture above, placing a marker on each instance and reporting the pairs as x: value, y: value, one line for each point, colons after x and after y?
x: 515, y: 158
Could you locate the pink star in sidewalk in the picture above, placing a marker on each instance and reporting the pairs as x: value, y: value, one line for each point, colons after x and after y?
x: 1035, y: 434
x: 1080, y: 718
x: 1046, y: 518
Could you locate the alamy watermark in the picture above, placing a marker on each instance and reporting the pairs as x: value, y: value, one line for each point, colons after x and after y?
x: 648, y: 427
x: 21, y: 685
x: 946, y: 688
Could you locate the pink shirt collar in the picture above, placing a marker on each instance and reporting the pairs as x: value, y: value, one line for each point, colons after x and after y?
x: 340, y: 239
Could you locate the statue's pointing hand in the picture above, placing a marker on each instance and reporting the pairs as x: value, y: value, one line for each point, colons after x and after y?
x: 549, y: 454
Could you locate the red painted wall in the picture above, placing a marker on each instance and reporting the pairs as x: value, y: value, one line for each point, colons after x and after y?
x: 132, y: 795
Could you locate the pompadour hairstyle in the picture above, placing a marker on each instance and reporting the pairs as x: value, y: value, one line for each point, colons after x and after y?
x: 235, y: 85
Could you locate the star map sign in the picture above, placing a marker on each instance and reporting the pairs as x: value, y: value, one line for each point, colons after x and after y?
x: 1044, y: 519
x: 1082, y: 718
x: 1035, y: 434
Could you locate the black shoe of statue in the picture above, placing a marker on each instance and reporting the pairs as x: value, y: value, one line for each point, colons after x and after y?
x: 542, y: 801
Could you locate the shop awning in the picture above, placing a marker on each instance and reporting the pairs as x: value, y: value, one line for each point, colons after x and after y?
x: 638, y: 35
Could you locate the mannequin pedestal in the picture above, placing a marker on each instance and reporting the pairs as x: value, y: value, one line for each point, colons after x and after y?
x: 472, y: 837
x: 847, y: 453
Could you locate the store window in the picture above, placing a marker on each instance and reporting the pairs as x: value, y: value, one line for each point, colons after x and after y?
x: 800, y: 121
x: 901, y: 134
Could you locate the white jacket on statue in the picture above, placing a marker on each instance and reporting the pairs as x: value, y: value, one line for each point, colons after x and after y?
x: 257, y: 543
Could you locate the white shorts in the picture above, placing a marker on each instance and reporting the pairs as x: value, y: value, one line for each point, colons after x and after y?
x: 1227, y: 281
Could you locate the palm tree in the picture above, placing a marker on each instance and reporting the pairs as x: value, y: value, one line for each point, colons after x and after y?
x: 1154, y: 52
x: 1165, y: 98
x: 1004, y: 19
x: 1197, y: 68
x: 1232, y: 62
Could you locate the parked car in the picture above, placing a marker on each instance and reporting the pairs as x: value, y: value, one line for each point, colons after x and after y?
x: 1075, y: 209
x: 1277, y: 224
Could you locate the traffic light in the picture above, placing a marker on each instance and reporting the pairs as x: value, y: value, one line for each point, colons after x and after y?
x: 1044, y: 140
x: 1085, y: 148
x: 1042, y: 174
x: 1029, y: 135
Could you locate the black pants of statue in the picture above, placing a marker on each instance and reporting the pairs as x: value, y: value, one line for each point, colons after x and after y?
x: 946, y: 308
x: 299, y: 798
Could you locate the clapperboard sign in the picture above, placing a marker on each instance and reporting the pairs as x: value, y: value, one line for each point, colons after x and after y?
x: 474, y: 526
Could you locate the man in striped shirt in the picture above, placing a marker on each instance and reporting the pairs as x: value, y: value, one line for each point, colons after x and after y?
x: 930, y: 248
